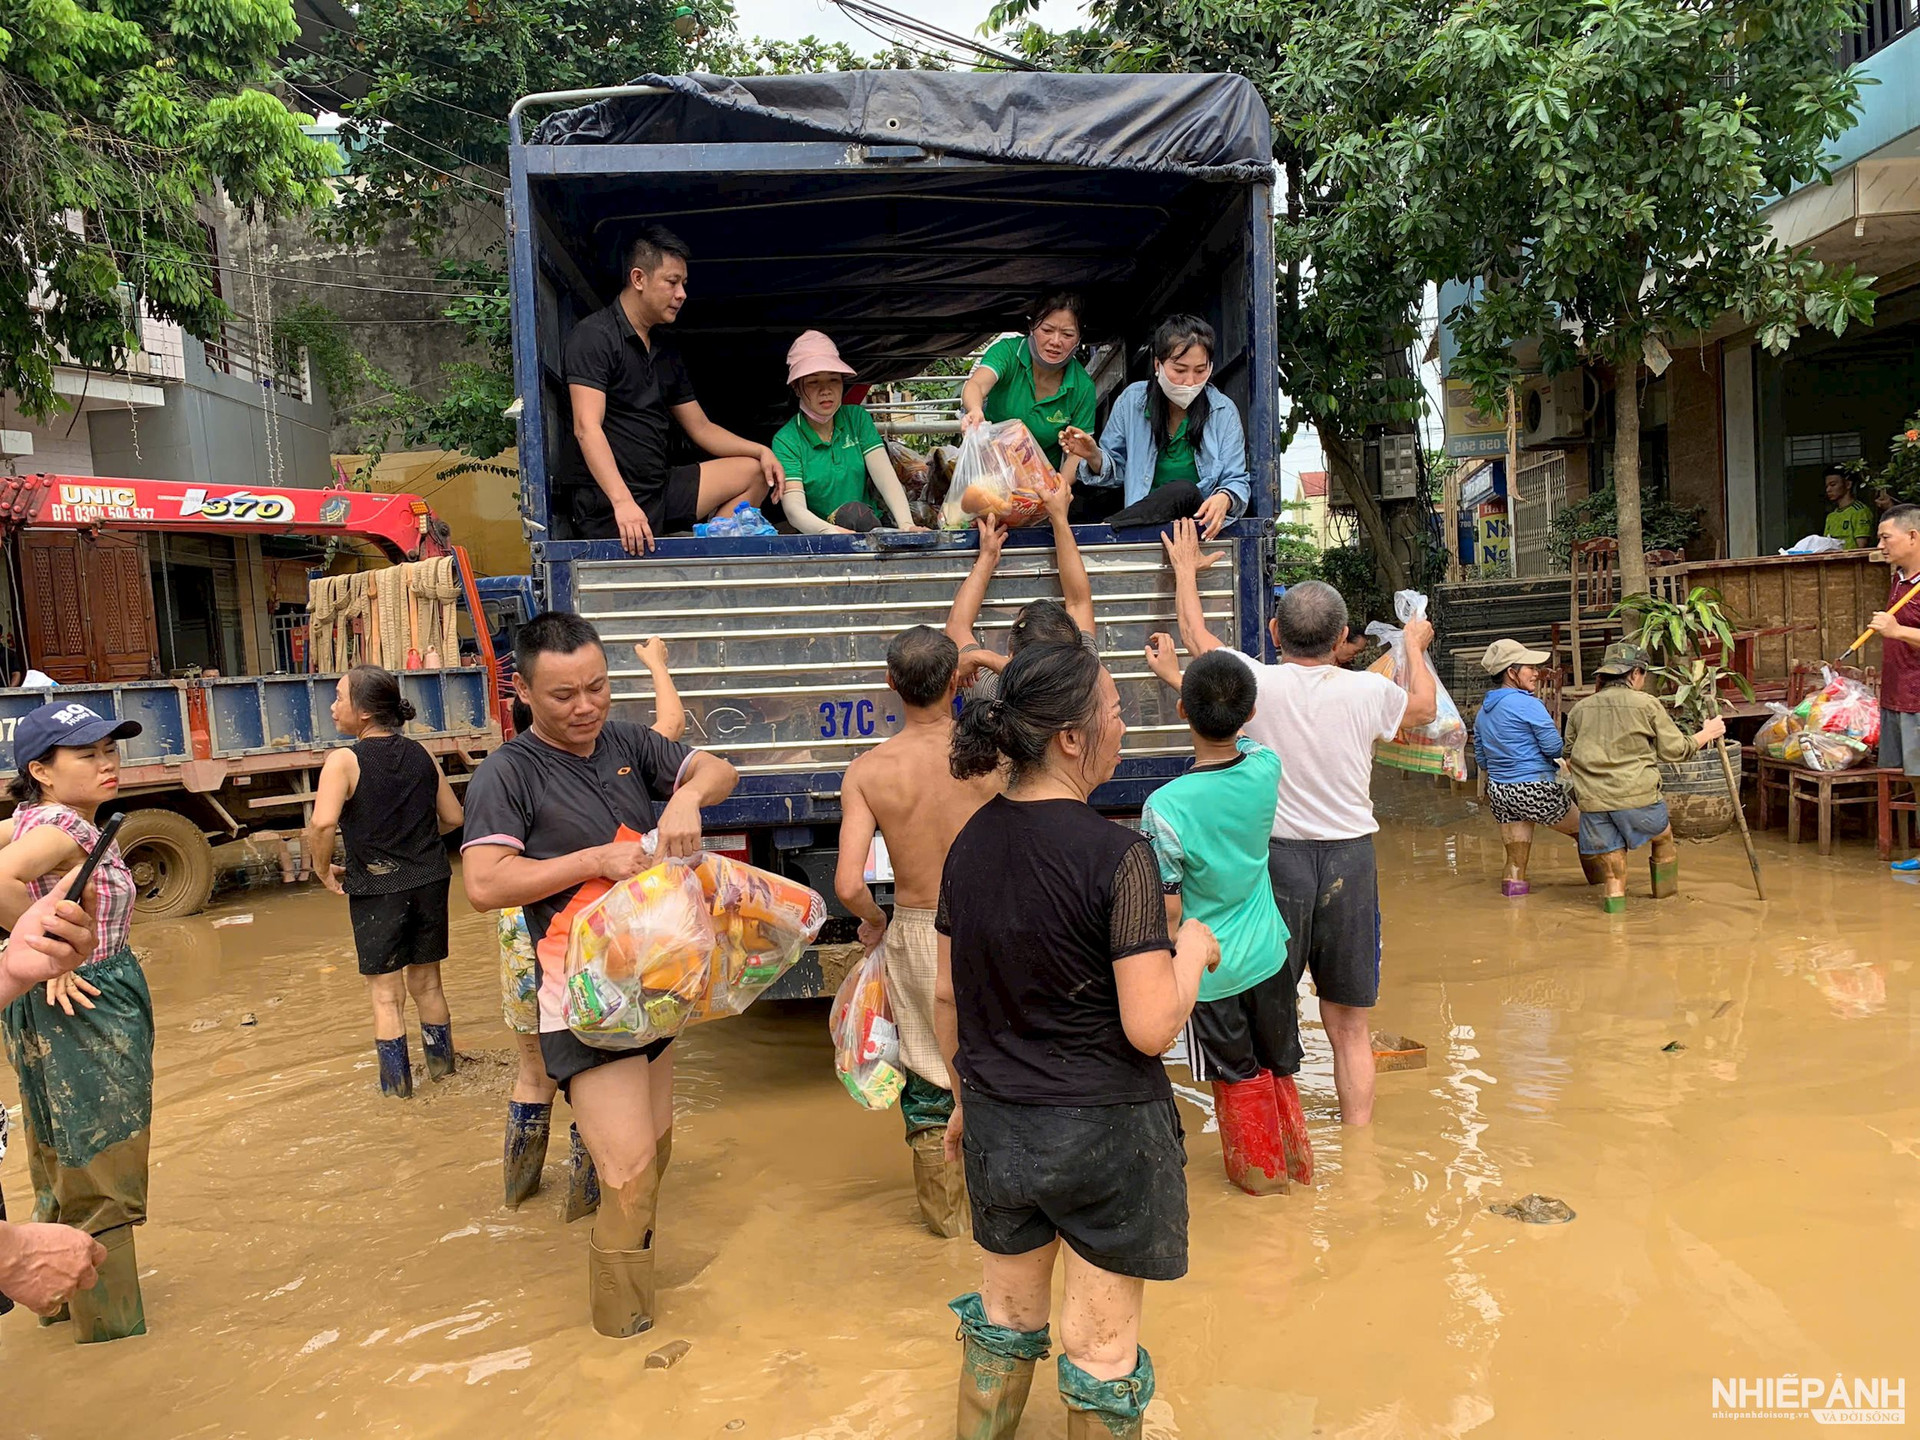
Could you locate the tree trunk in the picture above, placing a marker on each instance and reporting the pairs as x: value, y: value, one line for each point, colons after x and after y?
x: 1344, y: 461
x: 1626, y: 477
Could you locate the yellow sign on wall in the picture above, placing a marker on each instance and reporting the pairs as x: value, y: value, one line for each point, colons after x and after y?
x: 1469, y: 431
x: 1496, y: 539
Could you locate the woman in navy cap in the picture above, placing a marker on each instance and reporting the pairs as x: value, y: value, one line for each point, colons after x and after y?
x: 83, y: 1046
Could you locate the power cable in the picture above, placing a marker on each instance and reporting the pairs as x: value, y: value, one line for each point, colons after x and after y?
x: 425, y: 140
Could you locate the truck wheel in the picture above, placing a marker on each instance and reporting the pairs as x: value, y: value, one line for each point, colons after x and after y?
x: 171, y: 861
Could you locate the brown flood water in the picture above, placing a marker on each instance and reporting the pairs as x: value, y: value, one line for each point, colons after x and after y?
x: 324, y: 1263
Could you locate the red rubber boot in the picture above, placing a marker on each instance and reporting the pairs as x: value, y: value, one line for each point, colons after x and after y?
x: 1249, y: 1119
x: 1293, y: 1130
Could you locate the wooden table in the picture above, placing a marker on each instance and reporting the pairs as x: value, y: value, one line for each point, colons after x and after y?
x: 1827, y: 791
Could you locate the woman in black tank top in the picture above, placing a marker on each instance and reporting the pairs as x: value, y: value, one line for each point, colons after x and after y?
x: 387, y: 797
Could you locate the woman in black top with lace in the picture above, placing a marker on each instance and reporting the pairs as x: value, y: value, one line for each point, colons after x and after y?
x: 1057, y: 993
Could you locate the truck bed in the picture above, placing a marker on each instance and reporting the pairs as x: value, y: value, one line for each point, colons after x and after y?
x: 781, y: 657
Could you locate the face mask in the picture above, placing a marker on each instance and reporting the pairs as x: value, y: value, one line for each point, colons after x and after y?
x: 1181, y: 395
x: 819, y: 417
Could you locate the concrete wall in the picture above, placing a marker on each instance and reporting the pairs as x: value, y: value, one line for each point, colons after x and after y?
x: 1696, y: 474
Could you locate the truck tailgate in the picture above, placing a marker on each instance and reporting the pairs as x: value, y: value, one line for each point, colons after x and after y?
x: 781, y: 659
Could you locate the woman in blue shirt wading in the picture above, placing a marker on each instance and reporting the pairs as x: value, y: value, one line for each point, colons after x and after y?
x: 1174, y: 444
x: 1517, y: 745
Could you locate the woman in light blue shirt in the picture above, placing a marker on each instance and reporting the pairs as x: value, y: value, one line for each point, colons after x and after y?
x: 1174, y: 444
x: 1518, y: 747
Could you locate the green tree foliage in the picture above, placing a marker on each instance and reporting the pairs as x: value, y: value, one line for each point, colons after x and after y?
x: 1597, y: 171
x: 1349, y: 298
x: 430, y: 135
x: 114, y: 122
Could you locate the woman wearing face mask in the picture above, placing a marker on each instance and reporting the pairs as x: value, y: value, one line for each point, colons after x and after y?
x: 82, y: 1046
x: 1034, y: 378
x: 1174, y: 443
x: 838, y: 473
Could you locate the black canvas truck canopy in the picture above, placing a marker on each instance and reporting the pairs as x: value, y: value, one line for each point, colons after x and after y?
x: 910, y: 215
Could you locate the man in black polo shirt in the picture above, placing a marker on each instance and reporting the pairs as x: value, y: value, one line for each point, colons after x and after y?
x: 542, y: 814
x: 625, y: 379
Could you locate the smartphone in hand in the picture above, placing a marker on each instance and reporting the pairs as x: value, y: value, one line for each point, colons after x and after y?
x: 107, y: 832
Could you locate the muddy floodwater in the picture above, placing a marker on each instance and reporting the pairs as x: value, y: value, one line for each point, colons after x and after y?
x: 1725, y: 1093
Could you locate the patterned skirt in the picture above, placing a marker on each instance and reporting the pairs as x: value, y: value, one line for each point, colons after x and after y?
x: 1543, y: 802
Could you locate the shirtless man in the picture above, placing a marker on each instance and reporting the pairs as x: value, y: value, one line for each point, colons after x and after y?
x: 905, y: 789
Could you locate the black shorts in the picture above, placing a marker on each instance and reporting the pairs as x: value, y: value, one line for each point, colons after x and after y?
x: 1236, y: 1038
x: 675, y: 506
x: 1110, y: 1180
x: 1329, y: 895
x: 406, y: 927
x: 567, y: 1055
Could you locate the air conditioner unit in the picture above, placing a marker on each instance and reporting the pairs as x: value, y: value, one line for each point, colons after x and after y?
x: 1555, y: 411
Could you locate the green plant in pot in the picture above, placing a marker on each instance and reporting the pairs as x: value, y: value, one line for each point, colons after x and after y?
x: 1689, y: 641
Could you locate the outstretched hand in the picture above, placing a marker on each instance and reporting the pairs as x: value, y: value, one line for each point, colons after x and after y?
x: 993, y: 538
x: 1183, y: 549
x: 1162, y: 659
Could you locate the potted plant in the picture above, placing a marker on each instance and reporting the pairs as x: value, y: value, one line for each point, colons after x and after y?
x: 1689, y: 641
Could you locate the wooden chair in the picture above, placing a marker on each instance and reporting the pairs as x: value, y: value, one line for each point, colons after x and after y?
x: 1594, y: 591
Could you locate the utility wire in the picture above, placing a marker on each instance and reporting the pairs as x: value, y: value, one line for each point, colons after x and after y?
x: 859, y: 10
x: 388, y: 124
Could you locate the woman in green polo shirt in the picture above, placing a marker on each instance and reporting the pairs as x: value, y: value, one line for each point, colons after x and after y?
x: 1033, y: 378
x: 837, y: 468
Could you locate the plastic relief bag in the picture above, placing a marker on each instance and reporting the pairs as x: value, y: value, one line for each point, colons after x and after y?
x: 866, y: 1045
x: 1439, y: 748
x: 519, y: 973
x: 762, y: 925
x: 1822, y: 751
x: 1001, y: 471
x: 638, y: 959
x: 1842, y: 706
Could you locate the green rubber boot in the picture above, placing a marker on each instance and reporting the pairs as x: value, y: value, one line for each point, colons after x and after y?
x: 1106, y: 1409
x: 111, y: 1310
x: 996, y: 1372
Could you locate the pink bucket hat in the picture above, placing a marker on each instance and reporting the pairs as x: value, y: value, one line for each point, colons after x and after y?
x: 814, y: 354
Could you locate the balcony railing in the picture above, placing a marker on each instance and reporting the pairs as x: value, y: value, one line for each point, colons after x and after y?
x: 243, y: 351
x: 1881, y: 23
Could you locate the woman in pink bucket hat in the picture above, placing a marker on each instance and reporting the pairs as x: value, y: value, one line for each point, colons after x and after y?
x: 836, y: 463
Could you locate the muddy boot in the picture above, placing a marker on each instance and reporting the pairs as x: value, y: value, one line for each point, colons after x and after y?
x: 1249, y: 1116
x: 528, y: 1126
x: 583, y: 1181
x: 1613, y: 905
x: 58, y: 1317
x: 1514, y: 884
x: 396, y: 1068
x: 1106, y: 1409
x: 111, y: 1310
x: 437, y: 1041
x: 939, y: 1184
x: 1294, y: 1140
x: 996, y: 1372
x: 1665, y: 871
x: 1594, y: 868
x: 620, y: 1290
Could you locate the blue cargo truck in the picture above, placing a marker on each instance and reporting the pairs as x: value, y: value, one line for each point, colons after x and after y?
x: 913, y: 217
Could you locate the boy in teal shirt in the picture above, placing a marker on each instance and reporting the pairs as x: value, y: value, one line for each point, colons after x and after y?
x: 1209, y: 830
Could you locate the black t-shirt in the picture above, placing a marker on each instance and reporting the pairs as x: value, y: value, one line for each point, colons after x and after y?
x: 1040, y: 898
x: 642, y: 385
x: 545, y: 802
x: 392, y: 821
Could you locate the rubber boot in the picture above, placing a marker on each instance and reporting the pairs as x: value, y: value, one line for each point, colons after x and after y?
x: 1515, y: 883
x: 621, y: 1281
x: 1594, y: 869
x: 1250, y: 1144
x: 528, y: 1126
x: 620, y: 1290
x: 396, y: 1068
x: 939, y: 1184
x: 1665, y: 871
x: 1106, y: 1409
x: 1294, y: 1139
x: 996, y: 1372
x: 583, y: 1181
x: 1613, y: 905
x: 437, y: 1041
x: 111, y: 1310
